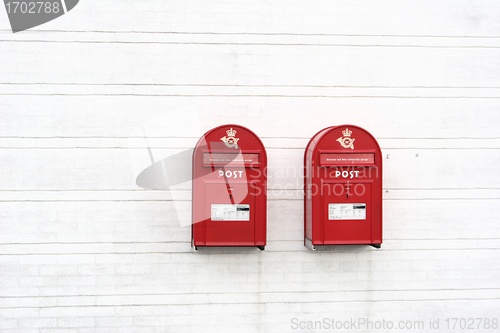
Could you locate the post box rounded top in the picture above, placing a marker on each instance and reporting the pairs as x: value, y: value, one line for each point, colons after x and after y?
x: 231, y: 138
x: 343, y: 138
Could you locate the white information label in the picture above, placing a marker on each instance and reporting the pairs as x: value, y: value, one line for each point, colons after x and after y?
x: 228, y: 212
x: 347, y: 211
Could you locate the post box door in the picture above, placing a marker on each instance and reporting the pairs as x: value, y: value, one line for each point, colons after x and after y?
x: 347, y: 212
x: 229, y: 189
x: 231, y: 208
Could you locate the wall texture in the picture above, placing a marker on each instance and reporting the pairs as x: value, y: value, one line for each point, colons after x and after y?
x: 83, y: 98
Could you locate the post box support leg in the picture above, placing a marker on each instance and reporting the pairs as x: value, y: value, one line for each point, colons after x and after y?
x: 260, y: 247
x: 308, y: 243
x: 377, y: 246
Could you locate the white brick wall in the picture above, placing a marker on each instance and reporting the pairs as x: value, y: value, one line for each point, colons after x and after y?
x: 84, y: 249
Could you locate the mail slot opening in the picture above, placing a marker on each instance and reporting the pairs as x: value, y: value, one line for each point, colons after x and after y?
x: 232, y: 159
x: 340, y: 159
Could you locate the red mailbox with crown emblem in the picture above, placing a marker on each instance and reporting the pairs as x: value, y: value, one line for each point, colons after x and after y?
x: 229, y: 189
x: 342, y: 188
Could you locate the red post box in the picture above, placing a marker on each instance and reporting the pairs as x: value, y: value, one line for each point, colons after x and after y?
x: 229, y: 189
x: 342, y: 188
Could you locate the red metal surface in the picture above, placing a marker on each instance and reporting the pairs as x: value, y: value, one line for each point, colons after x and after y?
x: 230, y: 171
x: 343, y: 187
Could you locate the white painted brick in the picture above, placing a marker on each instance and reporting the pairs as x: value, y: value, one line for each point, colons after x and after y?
x: 115, y: 322
x: 38, y: 323
x: 76, y: 280
x: 8, y: 323
x: 96, y: 312
x: 58, y: 270
x: 75, y: 322
x: 99, y: 330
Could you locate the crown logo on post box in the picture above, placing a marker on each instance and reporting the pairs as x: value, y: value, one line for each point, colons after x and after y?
x: 346, y: 132
x: 346, y: 141
x: 231, y: 132
x: 230, y: 140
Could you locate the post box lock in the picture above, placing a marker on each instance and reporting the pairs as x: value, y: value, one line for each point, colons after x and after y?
x: 229, y: 189
x: 343, y: 188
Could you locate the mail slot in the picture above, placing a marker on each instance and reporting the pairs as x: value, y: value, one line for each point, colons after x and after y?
x: 342, y: 188
x: 229, y: 189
